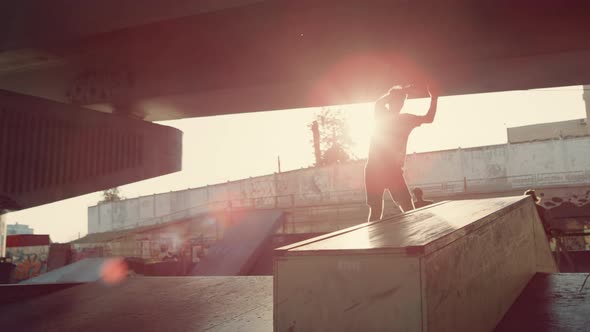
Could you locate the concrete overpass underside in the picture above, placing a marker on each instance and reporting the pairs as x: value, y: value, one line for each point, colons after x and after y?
x: 201, y: 58
x: 51, y: 151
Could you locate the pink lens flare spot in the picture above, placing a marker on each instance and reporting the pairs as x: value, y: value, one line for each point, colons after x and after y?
x: 114, y: 271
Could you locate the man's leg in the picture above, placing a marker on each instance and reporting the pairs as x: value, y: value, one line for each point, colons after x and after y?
x: 405, y: 202
x: 374, y: 189
x: 400, y: 192
x: 375, y: 204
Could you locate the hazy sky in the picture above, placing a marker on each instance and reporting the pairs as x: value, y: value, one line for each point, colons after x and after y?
x: 231, y: 147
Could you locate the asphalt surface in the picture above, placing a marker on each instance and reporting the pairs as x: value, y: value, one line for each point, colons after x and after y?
x: 149, y: 304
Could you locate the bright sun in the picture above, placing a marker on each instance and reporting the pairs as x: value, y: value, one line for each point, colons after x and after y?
x: 360, y: 124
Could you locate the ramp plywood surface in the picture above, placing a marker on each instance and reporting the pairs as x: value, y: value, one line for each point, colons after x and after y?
x: 338, y: 293
x: 242, y: 243
x: 149, y: 304
x: 86, y: 270
x: 423, y: 229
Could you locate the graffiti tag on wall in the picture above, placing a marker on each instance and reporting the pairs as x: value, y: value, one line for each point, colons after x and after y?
x: 30, y: 261
x: 570, y: 209
x: 574, y: 202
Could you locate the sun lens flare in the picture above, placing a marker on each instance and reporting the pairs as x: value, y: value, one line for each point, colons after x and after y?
x: 114, y: 271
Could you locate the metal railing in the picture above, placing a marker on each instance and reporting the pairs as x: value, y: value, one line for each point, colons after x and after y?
x: 503, y: 183
x: 433, y: 189
x: 306, y: 200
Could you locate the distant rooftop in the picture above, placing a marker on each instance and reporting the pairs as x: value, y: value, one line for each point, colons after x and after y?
x: 27, y: 240
x: 18, y: 229
x: 547, y: 131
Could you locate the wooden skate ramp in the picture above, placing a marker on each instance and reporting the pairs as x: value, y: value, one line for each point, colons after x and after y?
x: 86, y: 270
x: 453, y: 266
x: 241, y: 245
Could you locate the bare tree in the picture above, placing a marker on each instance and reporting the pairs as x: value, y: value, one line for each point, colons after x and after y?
x: 111, y: 195
x: 331, y: 137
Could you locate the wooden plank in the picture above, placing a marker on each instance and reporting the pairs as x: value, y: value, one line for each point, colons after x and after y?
x: 472, y: 282
x: 437, y: 225
x: 551, y: 302
x: 347, y: 293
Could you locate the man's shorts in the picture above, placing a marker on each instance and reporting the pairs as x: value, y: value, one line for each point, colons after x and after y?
x: 379, y: 178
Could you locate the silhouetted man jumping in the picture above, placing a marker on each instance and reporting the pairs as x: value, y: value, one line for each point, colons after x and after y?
x: 387, y: 153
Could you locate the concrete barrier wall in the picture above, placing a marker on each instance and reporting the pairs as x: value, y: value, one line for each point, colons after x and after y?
x: 59, y: 255
x: 146, y: 207
x: 494, y: 168
x: 153, y: 245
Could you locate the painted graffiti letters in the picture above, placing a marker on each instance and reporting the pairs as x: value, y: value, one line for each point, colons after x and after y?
x: 30, y: 261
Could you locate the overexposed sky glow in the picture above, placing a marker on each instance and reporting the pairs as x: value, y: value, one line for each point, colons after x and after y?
x: 232, y: 147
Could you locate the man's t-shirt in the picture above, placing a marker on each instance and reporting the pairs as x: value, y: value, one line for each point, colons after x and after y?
x: 388, y: 144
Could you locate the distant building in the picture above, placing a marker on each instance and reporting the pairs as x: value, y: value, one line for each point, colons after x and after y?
x: 18, y: 229
x: 554, y: 130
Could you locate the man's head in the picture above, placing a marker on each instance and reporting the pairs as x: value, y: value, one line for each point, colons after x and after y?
x: 533, y: 194
x: 418, y: 194
x: 396, y: 98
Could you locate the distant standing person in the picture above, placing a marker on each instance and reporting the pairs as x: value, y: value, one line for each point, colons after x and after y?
x: 387, y: 152
x: 419, y: 199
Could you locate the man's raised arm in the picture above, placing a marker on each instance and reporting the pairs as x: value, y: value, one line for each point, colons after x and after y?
x: 380, y: 103
x: 429, y: 117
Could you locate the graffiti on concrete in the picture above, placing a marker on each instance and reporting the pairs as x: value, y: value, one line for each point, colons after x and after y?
x: 30, y: 261
x: 570, y: 209
x: 316, y: 182
x: 287, y: 183
x: 495, y: 170
x: 571, y: 204
x: 261, y: 187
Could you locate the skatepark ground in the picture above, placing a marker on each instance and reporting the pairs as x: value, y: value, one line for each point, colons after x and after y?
x: 548, y: 302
